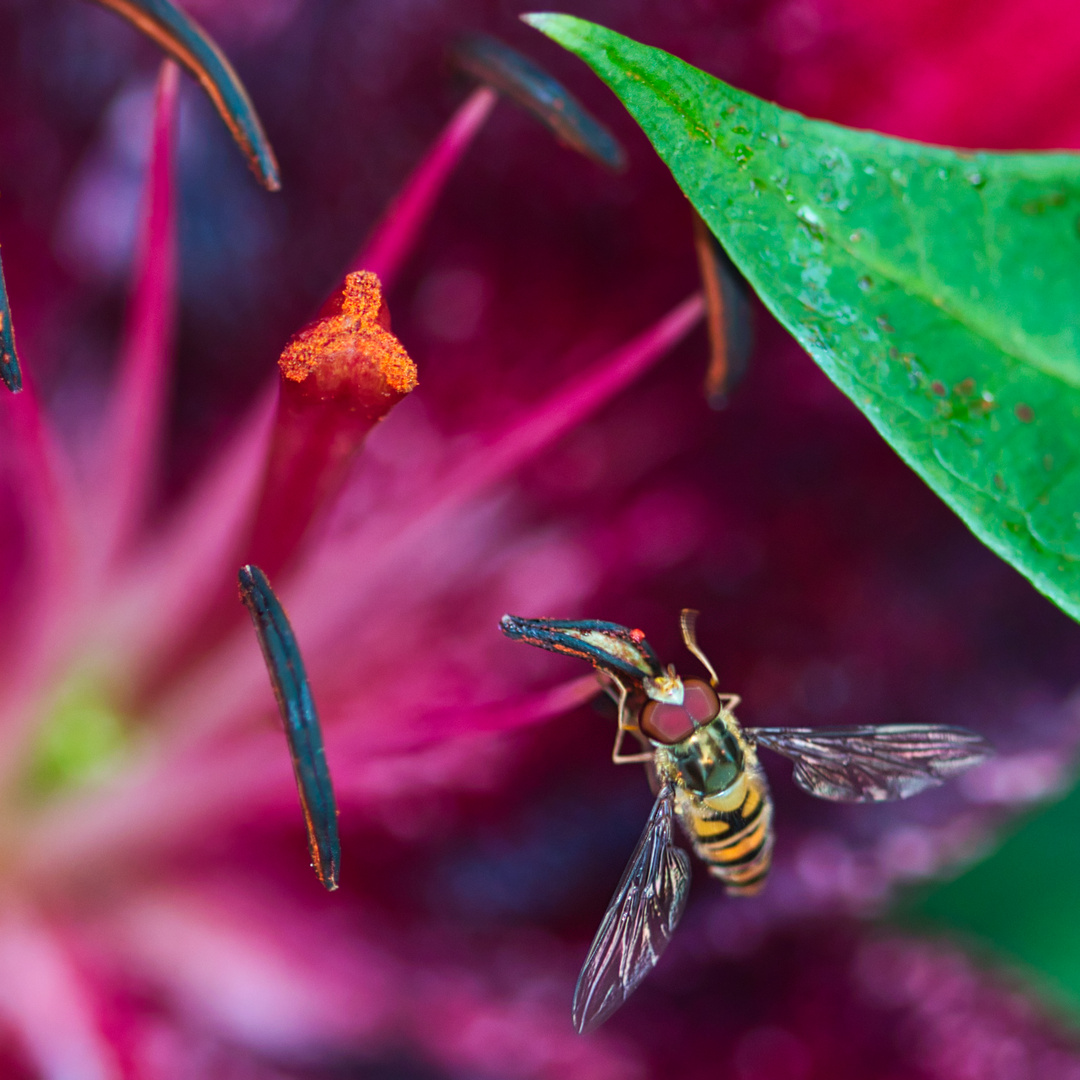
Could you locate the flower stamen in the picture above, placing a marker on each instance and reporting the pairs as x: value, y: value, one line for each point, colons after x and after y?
x: 187, y: 43
x: 10, y: 371
x: 302, y: 731
x: 516, y: 76
x: 727, y: 316
x: 339, y: 377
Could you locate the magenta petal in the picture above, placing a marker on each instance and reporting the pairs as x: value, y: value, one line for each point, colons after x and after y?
x: 39, y: 618
x: 338, y: 581
x: 135, y: 419
x: 396, y: 232
x: 510, y: 715
x: 170, y: 587
x: 485, y: 464
x: 43, y: 1000
x: 263, y: 974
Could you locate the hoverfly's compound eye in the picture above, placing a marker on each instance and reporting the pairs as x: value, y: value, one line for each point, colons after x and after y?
x: 669, y: 724
x: 700, y: 701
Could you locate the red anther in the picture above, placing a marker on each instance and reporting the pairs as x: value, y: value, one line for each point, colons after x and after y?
x: 339, y: 377
x: 349, y: 353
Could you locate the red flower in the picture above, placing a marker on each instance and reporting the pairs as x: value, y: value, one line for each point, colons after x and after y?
x: 557, y: 459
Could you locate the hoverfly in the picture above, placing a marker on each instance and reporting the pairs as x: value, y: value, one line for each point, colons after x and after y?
x: 704, y: 766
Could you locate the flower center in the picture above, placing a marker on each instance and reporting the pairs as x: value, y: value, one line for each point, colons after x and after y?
x: 82, y: 741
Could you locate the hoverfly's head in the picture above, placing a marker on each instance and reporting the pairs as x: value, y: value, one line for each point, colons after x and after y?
x: 676, y: 708
x: 666, y: 687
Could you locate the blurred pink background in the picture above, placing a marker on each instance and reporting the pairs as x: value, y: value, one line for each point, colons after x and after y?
x: 161, y: 921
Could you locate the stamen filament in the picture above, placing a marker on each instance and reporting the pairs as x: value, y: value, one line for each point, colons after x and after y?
x: 40, y: 623
x: 136, y: 413
x: 44, y: 1002
x: 157, y: 805
x: 394, y: 236
x: 727, y: 316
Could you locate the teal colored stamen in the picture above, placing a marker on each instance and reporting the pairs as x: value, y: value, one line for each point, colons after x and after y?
x: 10, y: 371
x: 190, y: 46
x: 302, y: 730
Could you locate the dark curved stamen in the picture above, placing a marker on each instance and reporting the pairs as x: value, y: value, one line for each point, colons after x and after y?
x: 187, y: 43
x: 514, y: 75
x: 10, y: 371
x: 293, y: 693
x: 615, y: 649
x: 727, y: 311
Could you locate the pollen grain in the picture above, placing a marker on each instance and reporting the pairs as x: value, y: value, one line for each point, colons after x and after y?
x: 352, y: 350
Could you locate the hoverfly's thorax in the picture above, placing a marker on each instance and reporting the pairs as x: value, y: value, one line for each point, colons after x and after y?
x: 708, y: 762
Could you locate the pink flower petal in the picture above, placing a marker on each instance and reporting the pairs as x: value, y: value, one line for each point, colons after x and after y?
x: 325, y: 597
x: 180, y: 573
x: 134, y: 423
x: 396, y: 233
x: 42, y: 997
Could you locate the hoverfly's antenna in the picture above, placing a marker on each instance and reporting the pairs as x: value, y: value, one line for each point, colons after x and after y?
x: 688, y: 625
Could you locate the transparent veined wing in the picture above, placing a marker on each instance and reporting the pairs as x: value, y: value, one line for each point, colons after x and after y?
x: 639, y: 921
x: 872, y: 764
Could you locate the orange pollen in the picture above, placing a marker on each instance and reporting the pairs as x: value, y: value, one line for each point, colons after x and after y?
x: 353, y: 349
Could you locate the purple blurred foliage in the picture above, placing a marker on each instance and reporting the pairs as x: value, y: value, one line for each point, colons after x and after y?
x: 834, y: 588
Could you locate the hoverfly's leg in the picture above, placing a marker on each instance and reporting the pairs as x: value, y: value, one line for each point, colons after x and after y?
x: 623, y: 694
x: 617, y: 756
x: 688, y: 625
x: 606, y: 682
x: 729, y: 702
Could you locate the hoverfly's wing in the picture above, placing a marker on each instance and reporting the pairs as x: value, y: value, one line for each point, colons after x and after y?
x: 612, y: 648
x: 873, y: 764
x: 638, y: 923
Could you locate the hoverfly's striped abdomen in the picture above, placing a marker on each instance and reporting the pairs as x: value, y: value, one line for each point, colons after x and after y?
x: 732, y: 832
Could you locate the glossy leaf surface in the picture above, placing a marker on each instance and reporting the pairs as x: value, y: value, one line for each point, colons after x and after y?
x: 938, y: 289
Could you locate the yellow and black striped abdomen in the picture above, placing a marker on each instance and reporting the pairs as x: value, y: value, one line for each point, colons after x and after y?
x: 732, y: 832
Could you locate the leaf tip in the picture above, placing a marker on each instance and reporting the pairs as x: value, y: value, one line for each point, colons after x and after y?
x: 565, y: 29
x: 537, y: 19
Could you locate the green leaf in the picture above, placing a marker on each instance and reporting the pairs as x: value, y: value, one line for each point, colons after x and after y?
x: 940, y: 290
x: 1022, y: 899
